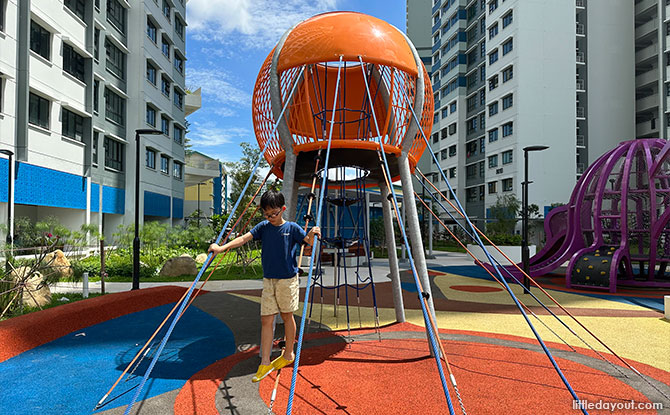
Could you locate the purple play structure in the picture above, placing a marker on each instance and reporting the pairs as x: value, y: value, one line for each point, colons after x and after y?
x: 615, y: 228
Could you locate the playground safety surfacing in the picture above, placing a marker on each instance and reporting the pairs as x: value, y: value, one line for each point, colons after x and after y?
x: 62, y: 360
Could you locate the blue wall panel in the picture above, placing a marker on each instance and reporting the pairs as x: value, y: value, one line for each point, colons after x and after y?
x: 40, y: 186
x: 177, y: 208
x: 156, y: 204
x: 113, y: 200
x: 3, y: 180
x: 95, y: 197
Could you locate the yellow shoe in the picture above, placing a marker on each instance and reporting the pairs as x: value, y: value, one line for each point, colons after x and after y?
x: 280, y: 362
x: 263, y: 371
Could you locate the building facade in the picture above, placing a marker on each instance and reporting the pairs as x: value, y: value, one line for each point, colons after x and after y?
x: 205, y: 186
x: 508, y: 74
x: 78, y: 79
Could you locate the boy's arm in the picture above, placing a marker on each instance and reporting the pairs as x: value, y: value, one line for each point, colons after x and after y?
x: 235, y: 243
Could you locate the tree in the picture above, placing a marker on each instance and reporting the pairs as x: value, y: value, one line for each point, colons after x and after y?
x: 504, y: 212
x: 239, y: 172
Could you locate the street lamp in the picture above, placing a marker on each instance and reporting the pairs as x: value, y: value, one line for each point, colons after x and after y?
x: 9, y: 154
x: 525, y: 254
x: 136, y: 241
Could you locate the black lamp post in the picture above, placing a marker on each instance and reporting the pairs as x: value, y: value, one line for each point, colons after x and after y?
x: 525, y: 254
x: 136, y: 241
x: 9, y: 154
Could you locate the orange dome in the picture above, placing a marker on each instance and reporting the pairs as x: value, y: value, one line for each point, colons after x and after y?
x: 326, y: 37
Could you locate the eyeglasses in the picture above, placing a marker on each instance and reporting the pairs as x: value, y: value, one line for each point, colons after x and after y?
x: 272, y: 215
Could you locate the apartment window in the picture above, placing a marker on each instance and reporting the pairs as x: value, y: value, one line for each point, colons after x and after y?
x: 493, y: 82
x: 152, y: 32
x: 452, y: 150
x: 471, y: 171
x: 443, y: 154
x: 96, y: 94
x: 493, y: 109
x: 471, y: 149
x: 165, y: 125
x: 492, y: 187
x: 482, y: 96
x: 482, y: 145
x: 508, y: 129
x: 166, y: 9
x: 507, y: 185
x: 165, y: 47
x: 452, y: 107
x: 493, y: 57
x: 3, y: 4
x: 179, y: 27
x: 165, y: 164
x: 178, y: 99
x: 94, y: 149
x: 452, y: 172
x: 40, y: 40
x: 482, y: 25
x: 472, y: 194
x: 445, y: 113
x: 471, y: 125
x: 492, y: 6
x: 481, y: 168
x: 493, y: 30
x: 452, y: 129
x: 493, y: 135
x: 96, y: 44
x: 151, y: 73
x: 116, y: 59
x: 114, y: 154
x: 97, y: 5
x: 493, y: 161
x: 73, y: 63
x: 508, y: 73
x: 38, y: 111
x: 178, y: 63
x: 508, y: 46
x: 482, y: 72
x: 507, y: 101
x: 177, y: 170
x: 72, y: 125
x: 165, y: 86
x: 151, y: 115
x: 115, y: 107
x: 507, y: 157
x: 178, y: 134
x: 507, y: 19
x: 436, y: 138
x: 116, y: 15
x: 151, y: 158
x: 78, y: 7
x: 472, y: 102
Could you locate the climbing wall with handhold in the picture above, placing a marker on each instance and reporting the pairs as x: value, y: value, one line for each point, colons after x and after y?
x: 593, y: 269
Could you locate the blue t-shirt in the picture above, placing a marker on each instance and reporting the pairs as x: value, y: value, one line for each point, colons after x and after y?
x: 279, y: 245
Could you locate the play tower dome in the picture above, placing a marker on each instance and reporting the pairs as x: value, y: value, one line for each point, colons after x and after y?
x: 375, y: 62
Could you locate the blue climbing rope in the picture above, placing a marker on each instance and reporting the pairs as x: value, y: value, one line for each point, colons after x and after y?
x: 324, y: 185
x: 387, y: 173
x: 495, y: 265
x: 209, y: 256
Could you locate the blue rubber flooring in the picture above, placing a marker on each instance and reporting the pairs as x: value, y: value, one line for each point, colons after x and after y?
x: 69, y: 375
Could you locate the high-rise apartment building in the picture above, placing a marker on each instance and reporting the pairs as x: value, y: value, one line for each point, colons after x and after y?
x: 508, y: 74
x: 77, y: 79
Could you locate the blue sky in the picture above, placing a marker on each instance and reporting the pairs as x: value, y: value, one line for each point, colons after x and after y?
x: 227, y: 42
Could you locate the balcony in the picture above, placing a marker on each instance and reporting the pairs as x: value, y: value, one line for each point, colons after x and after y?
x: 580, y: 57
x: 647, y: 78
x: 646, y: 30
x: 581, y: 85
x: 193, y: 101
x: 645, y: 6
x: 580, y: 3
x: 647, y: 103
x: 581, y: 142
x: 581, y: 113
x: 436, y: 6
x: 580, y: 29
x: 648, y: 53
x: 646, y: 129
x: 580, y: 168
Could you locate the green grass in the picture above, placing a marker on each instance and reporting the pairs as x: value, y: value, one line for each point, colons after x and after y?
x: 55, y: 301
x: 222, y: 273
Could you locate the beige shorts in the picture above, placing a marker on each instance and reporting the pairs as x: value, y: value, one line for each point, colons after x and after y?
x: 279, y: 295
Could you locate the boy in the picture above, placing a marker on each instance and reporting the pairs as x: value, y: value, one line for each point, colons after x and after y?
x: 280, y: 242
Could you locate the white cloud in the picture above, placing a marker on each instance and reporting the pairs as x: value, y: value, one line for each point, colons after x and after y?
x: 254, y: 24
x: 220, y: 91
x: 208, y: 134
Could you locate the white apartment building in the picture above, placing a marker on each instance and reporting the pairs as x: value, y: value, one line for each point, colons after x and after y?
x: 508, y: 74
x: 77, y: 78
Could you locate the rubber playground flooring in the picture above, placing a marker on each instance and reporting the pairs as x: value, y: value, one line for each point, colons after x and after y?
x: 63, y: 360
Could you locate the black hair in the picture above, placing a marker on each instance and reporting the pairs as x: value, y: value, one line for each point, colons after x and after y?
x: 272, y: 199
